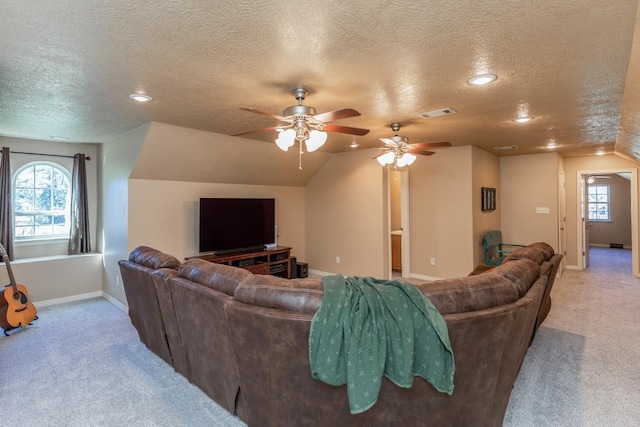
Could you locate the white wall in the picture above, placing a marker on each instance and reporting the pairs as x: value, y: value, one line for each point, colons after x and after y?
x: 44, y: 266
x: 42, y: 248
x: 55, y: 278
x: 118, y: 158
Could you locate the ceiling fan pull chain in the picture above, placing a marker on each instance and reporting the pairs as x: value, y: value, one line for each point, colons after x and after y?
x: 300, y: 156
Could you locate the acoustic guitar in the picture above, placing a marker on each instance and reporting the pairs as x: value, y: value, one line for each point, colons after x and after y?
x: 15, y: 308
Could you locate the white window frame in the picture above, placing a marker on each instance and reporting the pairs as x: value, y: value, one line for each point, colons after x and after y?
x: 67, y: 211
x: 608, y: 203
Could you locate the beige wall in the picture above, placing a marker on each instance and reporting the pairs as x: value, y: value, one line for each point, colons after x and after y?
x: 486, y: 173
x: 172, y: 153
x: 441, y: 214
x: 164, y: 214
x: 572, y: 165
x: 618, y: 230
x: 345, y: 216
x: 528, y: 182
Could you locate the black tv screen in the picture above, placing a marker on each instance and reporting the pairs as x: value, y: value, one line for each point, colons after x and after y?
x: 236, y: 224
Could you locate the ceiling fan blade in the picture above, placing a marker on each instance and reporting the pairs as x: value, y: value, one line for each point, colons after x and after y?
x: 257, y: 130
x: 422, y: 152
x: 431, y: 144
x: 330, y: 116
x: 388, y: 141
x: 345, y: 129
x: 264, y: 113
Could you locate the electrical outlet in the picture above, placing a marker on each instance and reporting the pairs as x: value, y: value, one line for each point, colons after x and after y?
x: 433, y: 261
x: 337, y: 260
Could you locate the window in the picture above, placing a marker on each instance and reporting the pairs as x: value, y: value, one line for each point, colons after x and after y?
x: 42, y: 194
x: 598, y: 202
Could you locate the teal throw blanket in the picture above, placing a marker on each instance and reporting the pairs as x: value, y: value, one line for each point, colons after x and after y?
x: 367, y: 328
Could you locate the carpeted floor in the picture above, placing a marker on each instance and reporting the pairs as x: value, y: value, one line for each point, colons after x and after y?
x: 81, y: 364
x: 583, y: 366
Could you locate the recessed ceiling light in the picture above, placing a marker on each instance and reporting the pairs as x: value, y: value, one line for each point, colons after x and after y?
x: 140, y: 97
x: 523, y: 119
x: 482, y: 79
x: 354, y: 145
x: 600, y: 153
x: 59, y: 138
x: 551, y: 144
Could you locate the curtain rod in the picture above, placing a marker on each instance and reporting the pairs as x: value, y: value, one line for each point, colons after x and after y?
x: 51, y: 155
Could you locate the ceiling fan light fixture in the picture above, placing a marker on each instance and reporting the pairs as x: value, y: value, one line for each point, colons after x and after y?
x: 523, y: 119
x: 285, y: 139
x: 386, y: 159
x: 316, y: 140
x: 482, y: 79
x: 406, y: 159
x: 140, y: 97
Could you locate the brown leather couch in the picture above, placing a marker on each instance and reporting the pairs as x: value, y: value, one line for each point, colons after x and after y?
x: 244, y: 342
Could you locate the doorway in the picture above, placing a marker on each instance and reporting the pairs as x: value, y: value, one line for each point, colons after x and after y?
x: 584, y: 225
x: 399, y: 223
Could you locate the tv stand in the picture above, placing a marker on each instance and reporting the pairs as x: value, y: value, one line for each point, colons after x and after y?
x: 250, y: 249
x: 276, y: 262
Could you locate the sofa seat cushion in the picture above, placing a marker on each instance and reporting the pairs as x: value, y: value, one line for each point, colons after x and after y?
x: 220, y: 277
x: 153, y: 258
x: 464, y: 294
x: 296, y: 295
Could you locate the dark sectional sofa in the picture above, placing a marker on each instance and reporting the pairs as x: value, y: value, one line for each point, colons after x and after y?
x: 243, y: 339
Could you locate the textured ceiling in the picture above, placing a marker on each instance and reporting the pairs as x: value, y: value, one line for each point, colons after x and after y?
x: 67, y: 68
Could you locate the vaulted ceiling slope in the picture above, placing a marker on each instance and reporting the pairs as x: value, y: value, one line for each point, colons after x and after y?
x: 68, y: 66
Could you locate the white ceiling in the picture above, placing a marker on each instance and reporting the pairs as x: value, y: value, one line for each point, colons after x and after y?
x: 68, y: 66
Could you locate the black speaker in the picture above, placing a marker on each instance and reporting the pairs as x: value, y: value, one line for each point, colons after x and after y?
x: 302, y: 270
x: 293, y: 269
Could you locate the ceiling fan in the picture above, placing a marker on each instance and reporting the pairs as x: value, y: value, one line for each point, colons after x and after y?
x: 397, y: 149
x: 301, y: 123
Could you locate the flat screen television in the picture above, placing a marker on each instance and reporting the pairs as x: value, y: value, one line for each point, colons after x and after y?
x: 236, y: 225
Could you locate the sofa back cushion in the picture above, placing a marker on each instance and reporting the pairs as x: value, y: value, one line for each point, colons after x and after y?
x: 471, y: 293
x: 153, y: 258
x: 296, y: 295
x: 522, y: 272
x: 537, y: 252
x: 222, y: 278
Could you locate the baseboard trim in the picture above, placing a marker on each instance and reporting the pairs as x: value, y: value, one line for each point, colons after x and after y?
x: 80, y: 297
x: 72, y: 298
x: 572, y: 267
x: 115, y: 302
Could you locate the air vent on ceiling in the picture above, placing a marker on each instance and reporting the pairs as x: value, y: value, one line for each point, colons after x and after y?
x: 437, y: 113
x: 506, y: 147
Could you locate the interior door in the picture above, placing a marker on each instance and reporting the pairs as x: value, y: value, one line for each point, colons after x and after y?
x: 585, y: 221
x: 562, y: 222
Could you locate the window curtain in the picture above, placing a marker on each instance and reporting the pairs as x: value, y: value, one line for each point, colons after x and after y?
x: 6, y: 222
x: 79, y: 241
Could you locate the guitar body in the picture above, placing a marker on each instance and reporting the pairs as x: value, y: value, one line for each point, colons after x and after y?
x: 15, y: 309
x: 19, y: 310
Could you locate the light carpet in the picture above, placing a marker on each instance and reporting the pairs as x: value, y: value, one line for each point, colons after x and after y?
x: 81, y: 364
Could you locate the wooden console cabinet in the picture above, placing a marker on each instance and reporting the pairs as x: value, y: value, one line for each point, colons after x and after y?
x: 276, y: 262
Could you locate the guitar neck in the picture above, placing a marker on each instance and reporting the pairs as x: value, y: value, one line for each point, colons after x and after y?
x: 5, y: 258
